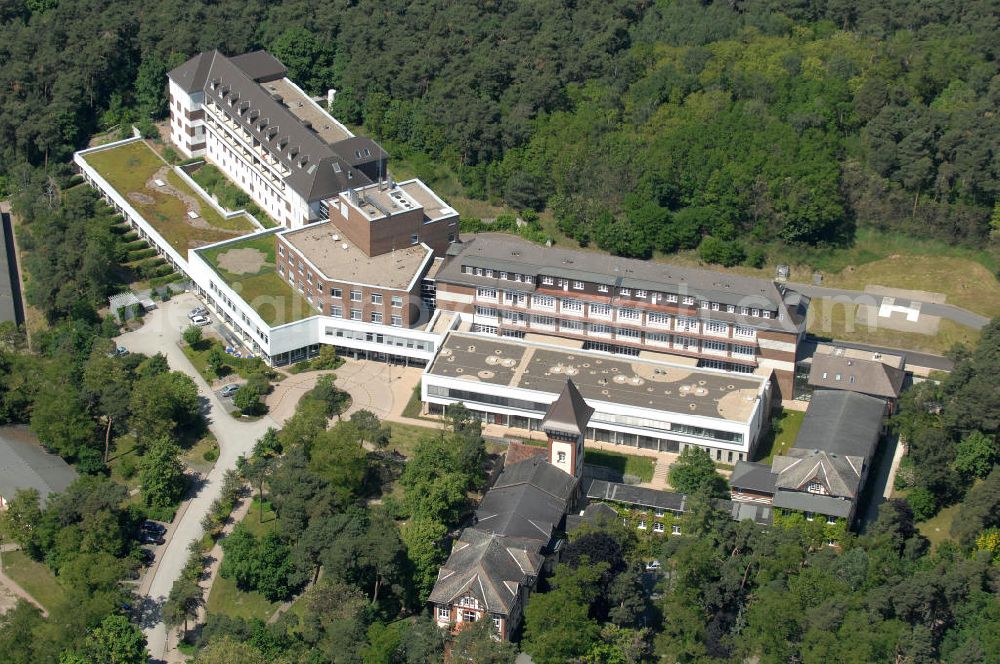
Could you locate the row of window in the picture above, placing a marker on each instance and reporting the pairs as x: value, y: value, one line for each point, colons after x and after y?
x: 336, y: 311
x: 680, y: 323
x: 379, y: 338
x: 232, y: 306
x: 654, y: 297
x: 506, y: 276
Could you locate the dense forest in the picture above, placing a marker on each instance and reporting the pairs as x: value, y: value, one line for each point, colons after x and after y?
x: 641, y: 125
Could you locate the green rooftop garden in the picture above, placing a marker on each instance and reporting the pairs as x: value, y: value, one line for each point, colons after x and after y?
x: 132, y: 168
x: 248, y: 267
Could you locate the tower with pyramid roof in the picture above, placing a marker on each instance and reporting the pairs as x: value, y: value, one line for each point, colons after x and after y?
x: 565, y: 424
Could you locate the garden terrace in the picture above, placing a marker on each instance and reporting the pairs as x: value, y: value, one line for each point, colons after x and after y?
x: 247, y: 266
x: 163, y: 198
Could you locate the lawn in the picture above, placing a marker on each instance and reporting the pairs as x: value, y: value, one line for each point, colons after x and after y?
x: 36, y: 578
x: 128, y: 168
x: 626, y: 464
x: 226, y: 599
x: 938, y: 528
x: 406, y: 436
x: 253, y: 522
x: 837, y: 321
x: 242, y: 366
x: 264, y: 290
x: 786, y: 429
x: 194, y: 456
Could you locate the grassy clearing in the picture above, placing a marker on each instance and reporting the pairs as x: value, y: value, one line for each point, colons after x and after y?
x: 129, y: 167
x: 829, y: 320
x: 36, y: 578
x: 264, y: 290
x: 938, y: 528
x: 626, y: 464
x: 965, y: 283
x: 257, y: 525
x: 194, y: 456
x: 406, y: 436
x: 226, y: 599
x: 786, y: 429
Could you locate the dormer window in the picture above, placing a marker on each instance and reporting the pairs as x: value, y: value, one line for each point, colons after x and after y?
x: 816, y: 487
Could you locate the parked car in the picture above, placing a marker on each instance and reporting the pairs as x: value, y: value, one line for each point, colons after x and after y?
x: 201, y: 321
x: 198, y: 311
x: 230, y: 390
x: 153, y: 526
x: 119, y: 351
x: 653, y: 565
x: 151, y: 537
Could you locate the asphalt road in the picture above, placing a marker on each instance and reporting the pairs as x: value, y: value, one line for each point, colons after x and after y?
x: 161, y: 333
x: 949, y: 311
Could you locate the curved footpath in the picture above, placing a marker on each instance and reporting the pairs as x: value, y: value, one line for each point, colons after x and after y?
x: 161, y: 334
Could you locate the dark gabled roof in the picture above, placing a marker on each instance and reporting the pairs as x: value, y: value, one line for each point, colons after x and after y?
x: 520, y: 511
x: 840, y: 474
x: 840, y: 372
x: 261, y: 66
x: 192, y: 75
x: 842, y: 423
x: 317, y: 170
x: 753, y: 476
x: 488, y: 567
x: 528, y: 500
x: 635, y: 495
x: 501, y: 252
x: 569, y: 413
x: 810, y: 502
x: 360, y: 150
x: 24, y: 464
x: 539, y: 473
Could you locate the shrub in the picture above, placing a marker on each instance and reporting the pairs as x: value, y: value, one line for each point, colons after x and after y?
x: 923, y: 503
x: 211, y: 454
x: 192, y: 335
x: 247, y: 399
x: 722, y: 252
x: 127, y: 466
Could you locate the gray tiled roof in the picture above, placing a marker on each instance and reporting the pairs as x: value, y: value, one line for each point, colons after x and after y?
x: 327, y: 169
x: 489, y: 567
x: 855, y: 375
x: 843, y: 423
x: 501, y: 252
x: 634, y: 495
x: 24, y: 464
x: 810, y: 502
x: 569, y: 413
x: 753, y: 476
x: 539, y: 473
x: 841, y: 475
x: 528, y: 500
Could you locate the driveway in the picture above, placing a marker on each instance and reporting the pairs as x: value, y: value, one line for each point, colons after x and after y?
x: 161, y: 333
